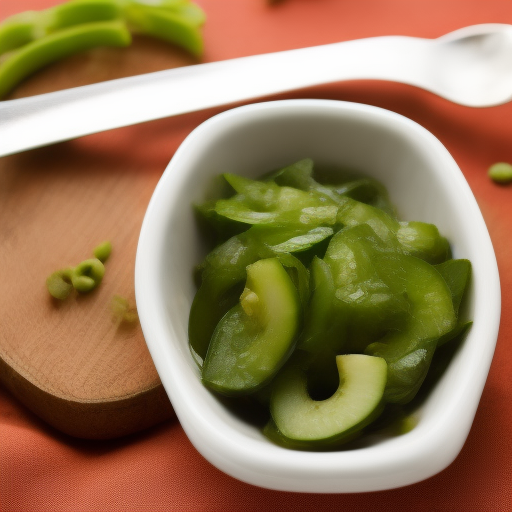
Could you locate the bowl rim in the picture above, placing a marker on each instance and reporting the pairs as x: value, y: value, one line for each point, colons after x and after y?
x: 247, y: 459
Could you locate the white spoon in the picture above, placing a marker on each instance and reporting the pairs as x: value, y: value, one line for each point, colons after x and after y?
x: 471, y: 66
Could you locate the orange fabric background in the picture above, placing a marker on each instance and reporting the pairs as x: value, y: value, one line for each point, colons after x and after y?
x: 42, y: 470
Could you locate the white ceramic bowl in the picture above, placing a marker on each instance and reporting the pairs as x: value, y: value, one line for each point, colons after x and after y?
x: 424, y: 182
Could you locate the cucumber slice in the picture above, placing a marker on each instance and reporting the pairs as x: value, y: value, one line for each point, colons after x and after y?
x: 355, y: 403
x: 254, y: 339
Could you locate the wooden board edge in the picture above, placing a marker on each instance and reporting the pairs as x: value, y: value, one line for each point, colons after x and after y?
x: 90, y: 420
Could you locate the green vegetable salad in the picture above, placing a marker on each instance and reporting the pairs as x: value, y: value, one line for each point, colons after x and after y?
x: 320, y: 306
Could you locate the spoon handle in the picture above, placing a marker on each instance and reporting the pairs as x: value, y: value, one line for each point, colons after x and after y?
x: 40, y: 120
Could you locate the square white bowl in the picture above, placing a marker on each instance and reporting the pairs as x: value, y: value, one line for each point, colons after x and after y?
x: 424, y: 183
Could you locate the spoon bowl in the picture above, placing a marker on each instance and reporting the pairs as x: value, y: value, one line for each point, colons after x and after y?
x: 473, y: 66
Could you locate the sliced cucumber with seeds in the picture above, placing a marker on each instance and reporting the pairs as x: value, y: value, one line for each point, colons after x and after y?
x: 356, y: 402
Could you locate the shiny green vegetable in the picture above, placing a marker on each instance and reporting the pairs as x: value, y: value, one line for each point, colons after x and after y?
x: 179, y: 24
x: 41, y: 52
x: 34, y: 39
x: 18, y: 30
x: 313, y: 423
x: 254, y: 338
x: 103, y: 251
x: 79, y: 12
x: 87, y: 275
x: 59, y: 283
x: 374, y: 297
x: 409, y: 351
x: 501, y: 172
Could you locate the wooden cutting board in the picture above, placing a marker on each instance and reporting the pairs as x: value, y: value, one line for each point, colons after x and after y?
x: 69, y: 361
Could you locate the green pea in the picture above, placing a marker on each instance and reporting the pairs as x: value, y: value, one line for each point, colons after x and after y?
x: 59, y: 283
x: 500, y: 172
x: 87, y: 275
x: 103, y: 251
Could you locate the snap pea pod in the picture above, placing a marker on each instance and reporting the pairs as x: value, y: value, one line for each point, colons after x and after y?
x: 26, y: 27
x: 273, y: 205
x: 414, y: 238
x: 325, y: 328
x: 179, y: 25
x: 34, y: 39
x: 297, y: 175
x: 79, y: 12
x: 39, y: 53
x: 17, y: 31
x: 360, y: 293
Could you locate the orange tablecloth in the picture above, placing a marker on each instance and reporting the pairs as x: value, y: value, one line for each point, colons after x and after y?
x: 42, y: 470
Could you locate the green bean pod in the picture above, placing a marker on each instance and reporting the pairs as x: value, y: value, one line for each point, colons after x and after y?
x: 18, y: 30
x: 176, y: 26
x: 33, y: 39
x: 21, y: 29
x: 79, y: 12
x: 41, y: 52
